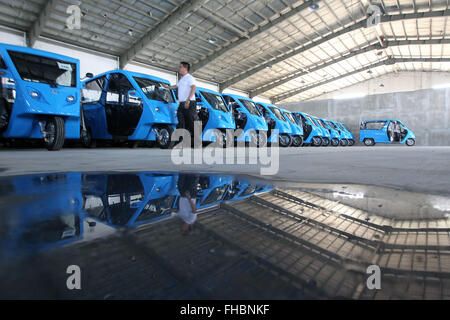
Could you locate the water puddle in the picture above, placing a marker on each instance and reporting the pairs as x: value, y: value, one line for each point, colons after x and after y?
x: 135, y: 236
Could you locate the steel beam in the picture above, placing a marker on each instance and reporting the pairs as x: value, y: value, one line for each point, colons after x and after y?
x: 353, y: 27
x: 179, y: 14
x: 213, y: 56
x: 389, y: 61
x: 301, y: 72
x: 38, y: 26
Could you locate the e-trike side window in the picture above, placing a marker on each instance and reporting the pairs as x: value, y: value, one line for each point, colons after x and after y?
x: 92, y: 91
x: 118, y: 88
x: 2, y: 63
x: 373, y: 125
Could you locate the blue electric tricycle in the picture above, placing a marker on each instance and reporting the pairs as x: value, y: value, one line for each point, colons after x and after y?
x: 39, y: 96
x: 386, y: 131
x: 276, y: 121
x: 249, y: 119
x: 215, y: 116
x: 350, y: 136
x: 335, y: 135
x: 129, y: 199
x: 344, y: 137
x: 312, y: 133
x: 297, y: 129
x: 325, y: 134
x: 127, y: 106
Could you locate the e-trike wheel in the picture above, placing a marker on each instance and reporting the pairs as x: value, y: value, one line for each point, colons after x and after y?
x: 344, y: 142
x: 285, y: 140
x: 297, y: 141
x: 164, y: 138
x: 325, y: 142
x: 55, y: 133
x: 86, y: 139
x: 335, y: 142
x: 317, y: 141
x: 410, y: 142
x: 351, y: 142
x: 369, y: 142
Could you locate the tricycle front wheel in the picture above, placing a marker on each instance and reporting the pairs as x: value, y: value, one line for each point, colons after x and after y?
x: 55, y: 130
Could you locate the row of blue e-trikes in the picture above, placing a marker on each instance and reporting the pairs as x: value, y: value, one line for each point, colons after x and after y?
x: 42, y: 97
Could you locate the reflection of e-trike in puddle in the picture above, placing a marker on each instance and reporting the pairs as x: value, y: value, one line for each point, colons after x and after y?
x: 39, y: 96
x: 386, y: 131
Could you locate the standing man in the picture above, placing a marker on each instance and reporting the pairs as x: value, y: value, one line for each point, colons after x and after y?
x: 187, y: 110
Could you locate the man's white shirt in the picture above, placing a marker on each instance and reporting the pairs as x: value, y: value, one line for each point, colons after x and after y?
x: 185, y: 210
x: 184, y: 88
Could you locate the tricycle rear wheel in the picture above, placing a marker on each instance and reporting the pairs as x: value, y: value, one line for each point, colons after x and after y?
x: 410, y: 142
x: 369, y: 142
x: 55, y: 133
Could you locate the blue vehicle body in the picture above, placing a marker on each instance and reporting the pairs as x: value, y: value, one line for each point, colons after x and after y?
x: 326, y: 133
x: 248, y: 118
x: 346, y: 138
x: 40, y: 92
x: 130, y: 199
x: 350, y: 134
x: 48, y: 215
x: 276, y: 121
x: 386, y: 131
x: 128, y: 106
x: 214, y: 114
x: 335, y: 135
x: 212, y: 190
x: 312, y: 133
x: 297, y: 129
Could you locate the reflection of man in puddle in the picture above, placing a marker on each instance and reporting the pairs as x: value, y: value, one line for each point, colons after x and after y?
x: 187, y: 185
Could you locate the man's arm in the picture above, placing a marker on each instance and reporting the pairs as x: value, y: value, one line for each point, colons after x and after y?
x: 191, y: 96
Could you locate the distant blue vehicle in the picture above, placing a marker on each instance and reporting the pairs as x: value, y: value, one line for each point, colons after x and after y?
x: 249, y: 119
x: 312, y: 133
x: 276, y: 121
x: 344, y: 137
x: 297, y: 129
x: 215, y: 115
x: 350, y: 136
x: 39, y: 96
x: 326, y: 133
x: 127, y: 106
x: 386, y: 131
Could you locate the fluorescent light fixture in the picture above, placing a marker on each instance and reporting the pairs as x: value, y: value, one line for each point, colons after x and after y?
x: 442, y: 86
x: 350, y: 96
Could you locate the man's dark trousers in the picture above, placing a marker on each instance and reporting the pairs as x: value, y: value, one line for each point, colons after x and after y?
x: 187, y: 117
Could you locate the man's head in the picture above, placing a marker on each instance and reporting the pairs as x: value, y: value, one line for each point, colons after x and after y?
x: 184, y: 68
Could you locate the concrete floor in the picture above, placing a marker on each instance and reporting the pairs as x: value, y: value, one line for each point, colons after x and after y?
x: 420, y: 169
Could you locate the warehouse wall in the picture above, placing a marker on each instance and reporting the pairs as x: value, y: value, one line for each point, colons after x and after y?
x: 393, y: 82
x: 426, y: 112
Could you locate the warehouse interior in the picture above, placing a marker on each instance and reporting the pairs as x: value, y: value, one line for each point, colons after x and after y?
x: 310, y: 229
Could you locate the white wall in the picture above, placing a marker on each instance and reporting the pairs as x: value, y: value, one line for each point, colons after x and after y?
x: 90, y: 61
x: 11, y: 36
x: 393, y: 82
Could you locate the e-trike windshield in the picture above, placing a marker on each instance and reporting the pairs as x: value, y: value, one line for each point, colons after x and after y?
x: 251, y: 107
x: 155, y: 90
x: 41, y: 69
x: 215, y: 101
